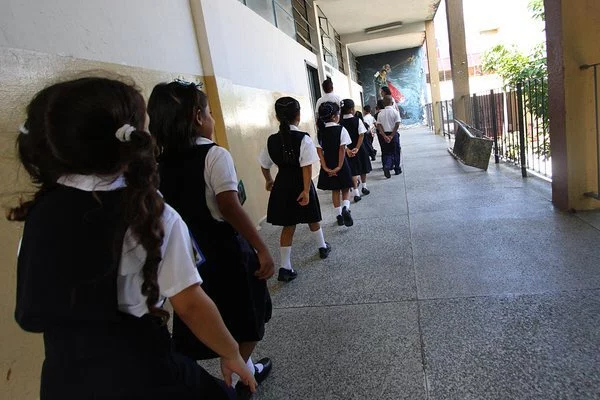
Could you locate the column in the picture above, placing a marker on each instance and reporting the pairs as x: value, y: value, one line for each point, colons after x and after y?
x: 572, y: 41
x: 434, y: 75
x: 458, y: 57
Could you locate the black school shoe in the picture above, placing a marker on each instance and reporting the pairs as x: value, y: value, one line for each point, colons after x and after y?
x: 365, y: 191
x: 357, y: 199
x: 285, y: 275
x: 398, y: 171
x: 324, y: 251
x: 386, y: 173
x: 348, y: 221
x: 242, y: 390
x: 340, y: 220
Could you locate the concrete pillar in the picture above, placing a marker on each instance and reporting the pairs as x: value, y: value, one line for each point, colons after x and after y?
x: 458, y: 57
x: 572, y: 40
x: 346, y: 51
x: 434, y: 76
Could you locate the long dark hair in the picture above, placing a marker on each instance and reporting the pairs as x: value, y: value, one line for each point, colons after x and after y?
x: 172, y: 108
x: 347, y: 106
x: 287, y: 110
x: 70, y: 129
x: 327, y: 111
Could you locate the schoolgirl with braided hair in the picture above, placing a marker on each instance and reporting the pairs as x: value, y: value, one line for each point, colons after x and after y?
x: 293, y: 199
x: 335, y: 174
x: 101, y: 252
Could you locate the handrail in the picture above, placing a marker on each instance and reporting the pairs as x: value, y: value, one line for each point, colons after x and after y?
x: 586, y: 66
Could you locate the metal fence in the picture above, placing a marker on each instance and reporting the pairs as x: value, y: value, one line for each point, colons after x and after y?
x: 515, y: 118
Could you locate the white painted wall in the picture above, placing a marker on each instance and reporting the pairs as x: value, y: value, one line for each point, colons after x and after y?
x: 154, y: 34
x: 251, y: 52
x: 343, y: 87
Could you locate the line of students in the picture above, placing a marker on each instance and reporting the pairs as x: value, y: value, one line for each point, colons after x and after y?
x: 102, y: 250
x: 345, y: 162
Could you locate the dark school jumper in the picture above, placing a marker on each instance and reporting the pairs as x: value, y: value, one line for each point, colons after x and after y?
x: 360, y: 164
x: 93, y: 350
x: 329, y: 138
x: 228, y: 273
x: 283, y: 208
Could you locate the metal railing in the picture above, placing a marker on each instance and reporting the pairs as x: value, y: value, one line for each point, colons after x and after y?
x: 515, y: 118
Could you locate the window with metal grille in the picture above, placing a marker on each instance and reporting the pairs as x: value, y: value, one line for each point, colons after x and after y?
x: 305, y: 31
x: 331, y: 43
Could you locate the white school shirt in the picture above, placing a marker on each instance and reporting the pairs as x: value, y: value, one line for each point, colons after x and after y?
x: 387, y: 118
x: 327, y: 97
x: 344, y: 135
x: 361, y: 127
x: 308, y: 153
x: 370, y: 120
x: 219, y: 176
x: 177, y: 270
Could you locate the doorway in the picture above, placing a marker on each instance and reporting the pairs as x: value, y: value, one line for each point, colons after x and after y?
x: 313, y: 85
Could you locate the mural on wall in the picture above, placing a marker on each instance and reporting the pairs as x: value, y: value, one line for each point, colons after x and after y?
x: 401, y: 71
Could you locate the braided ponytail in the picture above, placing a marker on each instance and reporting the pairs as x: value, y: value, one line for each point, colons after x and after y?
x: 70, y: 129
x: 143, y: 210
x: 287, y: 110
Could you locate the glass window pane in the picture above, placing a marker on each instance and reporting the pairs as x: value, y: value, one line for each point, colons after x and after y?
x: 264, y: 8
x: 285, y: 22
x: 286, y: 5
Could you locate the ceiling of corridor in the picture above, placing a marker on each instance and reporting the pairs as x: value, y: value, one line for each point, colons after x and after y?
x: 350, y: 18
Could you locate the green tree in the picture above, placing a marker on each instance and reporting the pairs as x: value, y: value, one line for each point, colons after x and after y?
x: 528, y: 70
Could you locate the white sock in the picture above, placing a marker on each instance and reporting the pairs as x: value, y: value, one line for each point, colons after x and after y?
x: 356, y: 192
x: 339, y: 210
x: 364, y: 185
x: 250, y: 365
x: 319, y: 238
x: 259, y: 367
x: 286, y: 257
x: 346, y: 204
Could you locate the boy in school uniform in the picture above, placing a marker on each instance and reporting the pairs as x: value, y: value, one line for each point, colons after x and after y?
x: 328, y: 97
x: 388, y: 123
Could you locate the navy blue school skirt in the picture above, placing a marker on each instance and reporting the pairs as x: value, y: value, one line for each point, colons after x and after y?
x: 123, y: 361
x: 228, y: 279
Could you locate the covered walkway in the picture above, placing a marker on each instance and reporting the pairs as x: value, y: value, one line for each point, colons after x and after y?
x: 453, y: 284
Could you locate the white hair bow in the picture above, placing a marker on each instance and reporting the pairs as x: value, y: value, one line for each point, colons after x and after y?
x: 23, y: 130
x: 124, y: 133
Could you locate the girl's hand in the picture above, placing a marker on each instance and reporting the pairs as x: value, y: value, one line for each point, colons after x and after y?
x: 267, y: 265
x: 349, y: 153
x: 332, y: 173
x: 354, y: 151
x: 238, y: 366
x: 269, y: 186
x: 303, y: 199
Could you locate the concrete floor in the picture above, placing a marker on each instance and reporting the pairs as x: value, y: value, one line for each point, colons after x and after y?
x: 454, y: 283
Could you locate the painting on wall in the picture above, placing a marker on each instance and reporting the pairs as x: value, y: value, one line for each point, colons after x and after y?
x: 401, y: 71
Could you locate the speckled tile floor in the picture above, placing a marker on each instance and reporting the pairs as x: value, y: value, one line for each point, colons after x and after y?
x: 453, y: 283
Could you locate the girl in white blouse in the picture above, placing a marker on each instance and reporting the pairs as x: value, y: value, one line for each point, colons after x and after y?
x: 101, y: 253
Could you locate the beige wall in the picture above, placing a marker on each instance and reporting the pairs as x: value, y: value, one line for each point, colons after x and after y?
x: 581, y: 35
x: 573, y: 32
